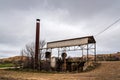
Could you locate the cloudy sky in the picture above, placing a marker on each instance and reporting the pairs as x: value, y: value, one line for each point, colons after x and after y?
x: 60, y: 19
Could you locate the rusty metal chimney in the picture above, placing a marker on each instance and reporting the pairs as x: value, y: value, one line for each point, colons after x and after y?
x: 37, y: 43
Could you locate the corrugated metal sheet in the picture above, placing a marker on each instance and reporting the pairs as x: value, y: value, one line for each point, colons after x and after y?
x: 71, y: 42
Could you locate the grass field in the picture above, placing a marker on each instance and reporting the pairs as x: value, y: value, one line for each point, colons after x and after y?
x: 6, y: 65
x: 107, y: 71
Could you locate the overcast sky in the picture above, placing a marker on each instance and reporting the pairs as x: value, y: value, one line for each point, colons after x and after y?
x: 60, y: 19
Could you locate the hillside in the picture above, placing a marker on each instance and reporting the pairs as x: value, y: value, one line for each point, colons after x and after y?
x: 11, y: 59
x: 109, y: 70
x: 108, y: 57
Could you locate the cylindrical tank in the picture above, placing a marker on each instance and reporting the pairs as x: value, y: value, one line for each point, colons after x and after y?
x: 47, y: 54
x: 53, y: 62
x: 64, y: 55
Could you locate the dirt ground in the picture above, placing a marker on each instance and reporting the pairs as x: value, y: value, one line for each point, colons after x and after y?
x: 107, y: 71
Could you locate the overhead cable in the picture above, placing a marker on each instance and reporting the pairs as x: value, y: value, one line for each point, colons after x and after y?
x: 108, y: 27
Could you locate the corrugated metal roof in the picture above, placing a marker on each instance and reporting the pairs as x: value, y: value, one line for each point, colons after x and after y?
x: 91, y: 38
x: 71, y: 42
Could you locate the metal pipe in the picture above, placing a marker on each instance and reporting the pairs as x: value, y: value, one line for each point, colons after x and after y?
x: 37, y: 43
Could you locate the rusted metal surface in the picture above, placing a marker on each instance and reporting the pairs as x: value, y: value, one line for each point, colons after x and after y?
x: 71, y: 42
x: 48, y: 55
x: 64, y: 55
x: 37, y: 43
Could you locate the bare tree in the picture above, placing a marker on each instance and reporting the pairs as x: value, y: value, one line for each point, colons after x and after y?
x: 29, y: 52
x: 42, y: 44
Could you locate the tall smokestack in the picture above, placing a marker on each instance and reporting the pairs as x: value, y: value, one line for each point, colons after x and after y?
x: 37, y: 43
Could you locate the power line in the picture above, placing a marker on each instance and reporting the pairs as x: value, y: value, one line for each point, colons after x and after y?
x: 108, y: 27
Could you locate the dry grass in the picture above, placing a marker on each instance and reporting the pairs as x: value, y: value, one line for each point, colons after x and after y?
x: 107, y: 71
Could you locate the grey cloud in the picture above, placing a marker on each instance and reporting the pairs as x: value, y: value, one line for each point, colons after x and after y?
x: 20, y: 4
x: 83, y: 9
x: 59, y: 20
x: 5, y: 54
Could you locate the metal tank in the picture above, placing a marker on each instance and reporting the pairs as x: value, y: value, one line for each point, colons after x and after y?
x: 53, y: 62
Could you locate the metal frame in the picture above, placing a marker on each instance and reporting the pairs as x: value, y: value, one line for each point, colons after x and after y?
x: 89, y: 46
x: 82, y: 48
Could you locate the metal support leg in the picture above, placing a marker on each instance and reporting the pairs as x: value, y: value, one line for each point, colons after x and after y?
x: 95, y: 52
x: 87, y: 52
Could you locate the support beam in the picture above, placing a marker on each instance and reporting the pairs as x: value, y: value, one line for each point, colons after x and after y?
x: 82, y: 54
x: 95, y: 52
x: 87, y: 52
x: 58, y: 53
